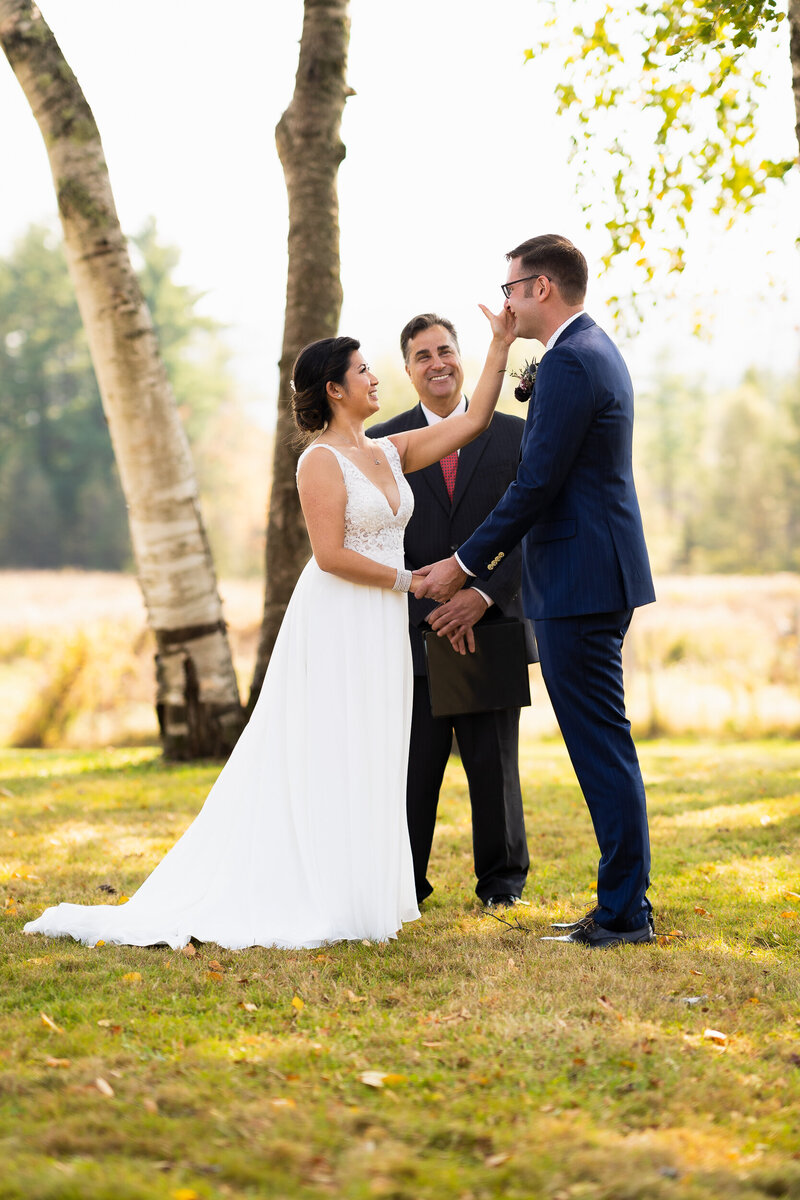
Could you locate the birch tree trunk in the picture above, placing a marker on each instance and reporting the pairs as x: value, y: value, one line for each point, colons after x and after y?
x: 198, y: 705
x: 311, y: 150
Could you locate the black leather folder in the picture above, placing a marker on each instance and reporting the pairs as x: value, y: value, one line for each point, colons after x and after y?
x: 494, y: 676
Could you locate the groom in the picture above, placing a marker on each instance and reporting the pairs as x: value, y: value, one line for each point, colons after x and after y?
x: 585, y: 567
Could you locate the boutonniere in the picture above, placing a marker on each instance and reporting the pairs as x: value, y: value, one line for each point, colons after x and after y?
x: 527, y: 380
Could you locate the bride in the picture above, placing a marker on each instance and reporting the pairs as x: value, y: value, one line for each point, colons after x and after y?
x: 302, y: 840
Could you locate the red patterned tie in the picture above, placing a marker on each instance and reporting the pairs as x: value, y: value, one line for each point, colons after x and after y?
x: 449, y: 466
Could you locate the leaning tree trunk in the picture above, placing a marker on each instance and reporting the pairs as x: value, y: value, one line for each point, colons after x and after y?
x: 310, y: 150
x: 794, y: 52
x: 197, y: 696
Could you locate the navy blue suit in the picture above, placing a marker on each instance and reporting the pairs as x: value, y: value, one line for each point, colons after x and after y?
x: 488, y: 742
x: 585, y: 568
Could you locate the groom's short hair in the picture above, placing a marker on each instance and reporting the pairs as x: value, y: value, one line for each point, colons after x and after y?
x: 419, y: 324
x: 556, y: 257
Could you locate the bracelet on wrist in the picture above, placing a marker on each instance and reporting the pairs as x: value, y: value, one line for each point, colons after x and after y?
x: 403, y: 581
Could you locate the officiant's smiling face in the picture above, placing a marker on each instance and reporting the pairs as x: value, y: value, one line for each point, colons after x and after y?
x: 433, y: 365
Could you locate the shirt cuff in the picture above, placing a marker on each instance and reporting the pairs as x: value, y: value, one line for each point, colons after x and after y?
x: 466, y: 570
x: 483, y: 596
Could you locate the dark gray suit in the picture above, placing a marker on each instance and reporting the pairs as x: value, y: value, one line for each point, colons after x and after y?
x: 487, y: 742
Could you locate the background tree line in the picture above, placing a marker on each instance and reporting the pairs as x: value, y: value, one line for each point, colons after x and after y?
x: 719, y: 471
x: 61, y: 503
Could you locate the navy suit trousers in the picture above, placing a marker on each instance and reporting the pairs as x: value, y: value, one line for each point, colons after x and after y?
x: 581, y: 659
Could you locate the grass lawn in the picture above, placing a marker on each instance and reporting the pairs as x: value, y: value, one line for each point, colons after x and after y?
x: 466, y: 1059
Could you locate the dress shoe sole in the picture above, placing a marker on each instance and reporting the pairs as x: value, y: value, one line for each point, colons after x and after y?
x: 568, y: 926
x: 608, y: 939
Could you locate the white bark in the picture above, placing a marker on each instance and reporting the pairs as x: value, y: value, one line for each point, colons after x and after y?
x: 198, y: 700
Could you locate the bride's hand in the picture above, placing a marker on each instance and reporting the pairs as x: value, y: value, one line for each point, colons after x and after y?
x: 504, y: 323
x: 417, y: 578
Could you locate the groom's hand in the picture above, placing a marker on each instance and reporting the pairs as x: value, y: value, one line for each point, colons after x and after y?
x: 455, y: 619
x: 441, y: 580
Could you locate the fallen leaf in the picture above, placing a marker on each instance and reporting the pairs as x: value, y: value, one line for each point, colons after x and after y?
x: 150, y: 1105
x: 248, y: 1006
x: 353, y: 998
x: 373, y: 1079
x: 98, y: 943
x: 601, y: 1000
x: 57, y: 1062
x: 693, y: 972
x: 185, y: 1194
x: 496, y: 1160
x: 103, y: 1087
x: 754, y: 1000
x: 298, y: 1003
x: 322, y: 958
x: 123, y: 899
x: 215, y: 966
x: 792, y: 895
x: 394, y: 1080
x: 698, y: 908
x: 283, y: 1102
x: 132, y: 977
x: 214, y: 976
x: 463, y: 1014
x: 788, y: 915
x: 50, y: 1023
x: 188, y: 950
x: 714, y: 1035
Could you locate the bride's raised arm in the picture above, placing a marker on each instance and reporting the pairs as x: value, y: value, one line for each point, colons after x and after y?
x: 420, y: 447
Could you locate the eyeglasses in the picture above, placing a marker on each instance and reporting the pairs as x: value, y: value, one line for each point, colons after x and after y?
x: 506, y: 287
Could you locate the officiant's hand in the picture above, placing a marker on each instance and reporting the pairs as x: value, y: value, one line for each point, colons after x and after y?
x: 442, y: 580
x: 455, y: 619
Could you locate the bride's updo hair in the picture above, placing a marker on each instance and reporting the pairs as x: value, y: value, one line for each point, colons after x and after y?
x: 317, y: 365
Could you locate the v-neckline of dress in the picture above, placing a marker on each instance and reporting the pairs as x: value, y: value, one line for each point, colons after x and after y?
x: 393, y: 511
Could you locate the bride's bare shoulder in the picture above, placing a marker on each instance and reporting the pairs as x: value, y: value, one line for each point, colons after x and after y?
x: 320, y: 468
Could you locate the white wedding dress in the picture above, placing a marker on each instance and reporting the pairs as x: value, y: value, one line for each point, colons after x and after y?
x: 303, y: 837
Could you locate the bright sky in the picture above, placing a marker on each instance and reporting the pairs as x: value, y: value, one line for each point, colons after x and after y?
x: 454, y: 154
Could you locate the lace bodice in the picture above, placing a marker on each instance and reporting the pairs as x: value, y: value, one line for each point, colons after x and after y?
x: 370, y: 526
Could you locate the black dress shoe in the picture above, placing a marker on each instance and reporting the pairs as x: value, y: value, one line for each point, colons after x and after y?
x: 589, y: 933
x: 590, y: 916
x: 504, y: 900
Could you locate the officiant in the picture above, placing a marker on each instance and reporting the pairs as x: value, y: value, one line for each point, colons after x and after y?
x: 451, y: 499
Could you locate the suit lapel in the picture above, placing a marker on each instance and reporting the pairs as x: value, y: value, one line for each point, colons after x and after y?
x: 468, y: 460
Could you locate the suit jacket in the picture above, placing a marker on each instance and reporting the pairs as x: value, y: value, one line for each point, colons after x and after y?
x: 485, y: 468
x: 573, y: 503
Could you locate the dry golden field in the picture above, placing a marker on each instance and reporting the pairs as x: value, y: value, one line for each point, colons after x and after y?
x: 715, y: 655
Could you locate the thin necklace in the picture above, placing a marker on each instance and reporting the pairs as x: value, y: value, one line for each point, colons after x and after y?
x: 371, y: 453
